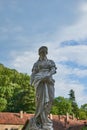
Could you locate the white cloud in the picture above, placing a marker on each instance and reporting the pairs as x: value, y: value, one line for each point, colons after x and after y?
x: 11, y: 29
x: 77, y: 54
x: 83, y: 7
x: 64, y: 84
x: 23, y: 62
x: 78, y: 29
x: 63, y: 87
x: 80, y: 73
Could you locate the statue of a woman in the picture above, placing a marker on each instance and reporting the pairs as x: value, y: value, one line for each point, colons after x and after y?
x: 43, y: 82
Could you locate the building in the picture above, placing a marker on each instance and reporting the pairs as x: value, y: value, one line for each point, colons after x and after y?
x: 13, y: 121
x: 18, y: 121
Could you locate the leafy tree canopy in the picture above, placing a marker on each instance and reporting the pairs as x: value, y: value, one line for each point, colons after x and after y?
x: 61, y: 106
x: 15, y: 91
x: 16, y: 94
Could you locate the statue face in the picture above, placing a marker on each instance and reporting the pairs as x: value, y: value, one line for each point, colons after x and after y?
x: 42, y: 54
x: 43, y: 51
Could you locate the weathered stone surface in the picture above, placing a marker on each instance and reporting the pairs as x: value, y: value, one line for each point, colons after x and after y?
x: 43, y: 82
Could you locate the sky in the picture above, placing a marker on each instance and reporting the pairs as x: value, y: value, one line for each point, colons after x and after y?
x: 61, y: 25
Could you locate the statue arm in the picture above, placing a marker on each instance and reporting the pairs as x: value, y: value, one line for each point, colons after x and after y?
x: 34, y: 71
x: 52, y: 68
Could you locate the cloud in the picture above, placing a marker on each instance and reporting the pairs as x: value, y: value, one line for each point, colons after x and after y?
x: 24, y: 61
x: 80, y: 73
x: 83, y: 6
x: 77, y: 30
x: 75, y: 54
x: 10, y: 29
x: 63, y: 87
x: 64, y: 83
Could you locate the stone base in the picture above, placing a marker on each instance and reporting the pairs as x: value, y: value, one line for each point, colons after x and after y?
x: 31, y: 125
x: 48, y: 126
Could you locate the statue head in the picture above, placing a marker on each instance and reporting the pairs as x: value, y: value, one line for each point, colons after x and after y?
x: 43, y: 50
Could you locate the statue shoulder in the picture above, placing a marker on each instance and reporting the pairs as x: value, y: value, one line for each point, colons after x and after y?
x: 51, y: 62
x: 35, y: 66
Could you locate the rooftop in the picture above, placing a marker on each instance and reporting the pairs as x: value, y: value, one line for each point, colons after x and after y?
x: 8, y: 118
x: 13, y: 118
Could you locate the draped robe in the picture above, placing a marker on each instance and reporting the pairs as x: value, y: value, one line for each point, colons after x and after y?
x: 43, y: 82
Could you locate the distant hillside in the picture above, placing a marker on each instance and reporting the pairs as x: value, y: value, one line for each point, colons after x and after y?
x: 15, y: 91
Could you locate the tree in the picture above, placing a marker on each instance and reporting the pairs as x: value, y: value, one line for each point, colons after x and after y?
x: 61, y: 106
x: 83, y: 112
x: 72, y: 95
x: 15, y: 91
x: 75, y: 108
x: 82, y: 115
x: 3, y: 103
x: 84, y: 107
x: 23, y: 96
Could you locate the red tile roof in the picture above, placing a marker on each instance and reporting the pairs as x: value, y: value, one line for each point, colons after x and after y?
x: 13, y: 118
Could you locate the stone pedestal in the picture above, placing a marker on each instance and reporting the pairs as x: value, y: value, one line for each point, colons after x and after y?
x: 31, y: 125
x: 48, y: 126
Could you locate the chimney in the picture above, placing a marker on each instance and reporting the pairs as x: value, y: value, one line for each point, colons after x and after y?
x: 21, y: 114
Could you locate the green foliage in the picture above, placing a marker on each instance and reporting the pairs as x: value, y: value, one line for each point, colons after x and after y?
x: 72, y: 95
x: 82, y: 115
x: 84, y: 128
x: 54, y: 110
x: 75, y: 108
x: 84, y: 107
x: 3, y: 103
x: 16, y: 94
x: 15, y: 91
x: 83, y: 112
x: 61, y: 106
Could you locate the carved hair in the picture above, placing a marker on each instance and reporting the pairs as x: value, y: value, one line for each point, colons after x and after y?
x: 43, y: 49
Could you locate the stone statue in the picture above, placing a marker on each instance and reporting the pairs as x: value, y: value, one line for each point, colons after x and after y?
x: 43, y: 82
